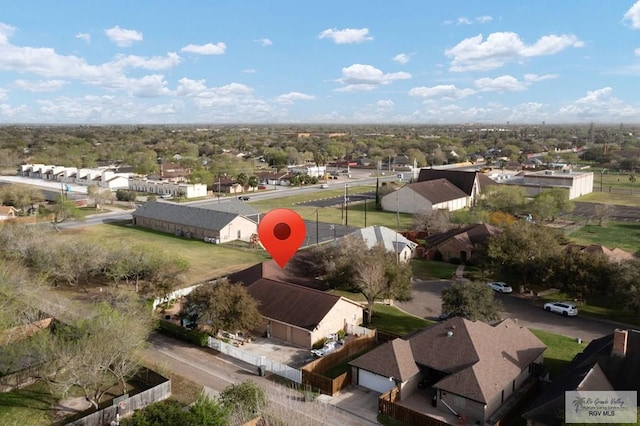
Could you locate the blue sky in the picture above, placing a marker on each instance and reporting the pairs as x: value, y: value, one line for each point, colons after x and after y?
x: 349, y: 61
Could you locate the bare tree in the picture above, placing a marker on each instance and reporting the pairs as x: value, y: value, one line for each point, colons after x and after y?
x: 603, y: 213
x: 371, y: 278
x: 432, y: 221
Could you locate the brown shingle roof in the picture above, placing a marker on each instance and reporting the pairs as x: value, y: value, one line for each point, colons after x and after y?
x: 437, y: 190
x: 392, y: 359
x: 464, y: 180
x: 473, y: 234
x: 480, y: 359
x: 292, y: 304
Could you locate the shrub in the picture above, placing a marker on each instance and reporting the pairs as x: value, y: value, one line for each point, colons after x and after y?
x: 192, y: 336
x: 319, y: 343
x: 341, y: 334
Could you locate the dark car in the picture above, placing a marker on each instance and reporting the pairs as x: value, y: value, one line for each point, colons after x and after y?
x: 243, y: 198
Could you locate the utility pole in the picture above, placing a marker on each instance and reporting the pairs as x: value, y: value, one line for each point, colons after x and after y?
x: 365, y: 212
x: 346, y: 205
x: 317, y: 231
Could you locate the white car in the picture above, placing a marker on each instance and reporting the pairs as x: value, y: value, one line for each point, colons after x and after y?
x: 566, y: 309
x: 328, y: 347
x: 500, y: 287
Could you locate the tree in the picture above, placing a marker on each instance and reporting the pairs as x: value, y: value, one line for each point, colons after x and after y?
x: 371, y: 280
x: 626, y: 279
x: 583, y: 274
x: 253, y: 182
x: 507, y: 198
x: 524, y: 251
x: 92, y: 354
x: 245, y: 400
x: 472, y: 300
x: 243, y: 180
x: 22, y: 197
x: 550, y: 203
x: 432, y: 221
x: 63, y: 209
x: 602, y: 212
x: 223, y: 306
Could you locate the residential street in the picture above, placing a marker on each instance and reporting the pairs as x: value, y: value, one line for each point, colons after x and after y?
x: 426, y: 303
x: 216, y: 371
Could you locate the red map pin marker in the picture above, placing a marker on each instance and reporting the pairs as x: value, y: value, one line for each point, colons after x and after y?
x: 281, y: 232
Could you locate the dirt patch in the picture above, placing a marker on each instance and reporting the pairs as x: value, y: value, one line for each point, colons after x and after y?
x: 70, y: 406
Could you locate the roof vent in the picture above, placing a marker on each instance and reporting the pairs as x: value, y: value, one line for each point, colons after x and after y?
x: 449, y: 333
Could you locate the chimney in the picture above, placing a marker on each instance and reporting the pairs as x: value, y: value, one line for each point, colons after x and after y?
x: 619, y: 343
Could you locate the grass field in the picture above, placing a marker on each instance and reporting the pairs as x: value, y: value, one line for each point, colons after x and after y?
x: 560, y: 350
x: 355, y: 212
x: 31, y: 405
x: 430, y: 269
x: 392, y: 320
x: 624, y: 235
x: 206, y: 260
x: 615, y: 198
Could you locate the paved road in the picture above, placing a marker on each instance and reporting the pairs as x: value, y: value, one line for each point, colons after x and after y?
x: 426, y: 303
x: 215, y: 372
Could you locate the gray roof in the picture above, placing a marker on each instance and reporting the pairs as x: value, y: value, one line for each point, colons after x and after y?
x: 390, y: 239
x: 232, y: 206
x: 196, y: 216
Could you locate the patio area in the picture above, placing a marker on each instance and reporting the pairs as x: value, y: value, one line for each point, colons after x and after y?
x: 420, y: 401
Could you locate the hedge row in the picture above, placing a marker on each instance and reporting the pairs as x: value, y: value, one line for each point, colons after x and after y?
x: 179, y: 332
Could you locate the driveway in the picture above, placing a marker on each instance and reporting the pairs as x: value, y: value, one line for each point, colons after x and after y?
x: 426, y: 303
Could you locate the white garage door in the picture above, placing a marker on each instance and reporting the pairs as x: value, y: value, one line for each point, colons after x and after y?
x: 374, y: 382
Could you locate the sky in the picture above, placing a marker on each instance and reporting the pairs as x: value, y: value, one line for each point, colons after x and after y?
x: 327, y: 62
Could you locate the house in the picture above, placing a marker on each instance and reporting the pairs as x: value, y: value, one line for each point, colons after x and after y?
x: 219, y: 223
x: 458, y: 243
x: 614, y: 255
x: 609, y: 363
x: 297, y: 314
x: 7, y: 212
x: 470, y: 182
x: 168, y: 187
x: 464, y: 367
x: 390, y: 239
x: 437, y: 194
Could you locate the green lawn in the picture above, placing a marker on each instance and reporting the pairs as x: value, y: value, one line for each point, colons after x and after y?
x: 31, y: 405
x: 206, y: 260
x: 560, y: 350
x: 430, y: 269
x: 632, y: 198
x: 355, y: 215
x: 392, y: 320
x: 624, y: 235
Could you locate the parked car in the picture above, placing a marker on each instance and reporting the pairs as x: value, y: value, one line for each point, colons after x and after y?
x: 324, y: 186
x: 566, y: 309
x: 243, y: 198
x: 500, y: 287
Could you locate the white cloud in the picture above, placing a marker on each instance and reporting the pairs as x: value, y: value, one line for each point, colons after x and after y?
x: 536, y: 77
x: 637, y: 51
x: 505, y: 83
x: 402, y: 58
x: 40, y: 86
x: 6, y: 31
x: 632, y: 17
x: 462, y: 20
x: 291, y: 97
x: 444, y: 91
x: 475, y: 53
x: 264, y: 42
x: 596, y: 96
x: 86, y: 37
x: 122, y: 37
x: 359, y: 77
x: 149, y: 86
x: 385, y: 103
x: 4, y: 94
x: 601, y: 105
x: 206, y: 49
x: 250, y: 71
x: 154, y: 63
x: 347, y: 35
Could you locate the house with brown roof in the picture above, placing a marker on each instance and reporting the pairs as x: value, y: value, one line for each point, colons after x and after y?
x: 295, y: 313
x: 438, y: 194
x: 471, y: 183
x: 610, y: 363
x: 470, y: 369
x: 458, y: 243
x: 614, y: 255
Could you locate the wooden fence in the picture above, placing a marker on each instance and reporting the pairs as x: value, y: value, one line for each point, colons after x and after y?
x: 312, y: 372
x: 128, y: 405
x: 407, y: 416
